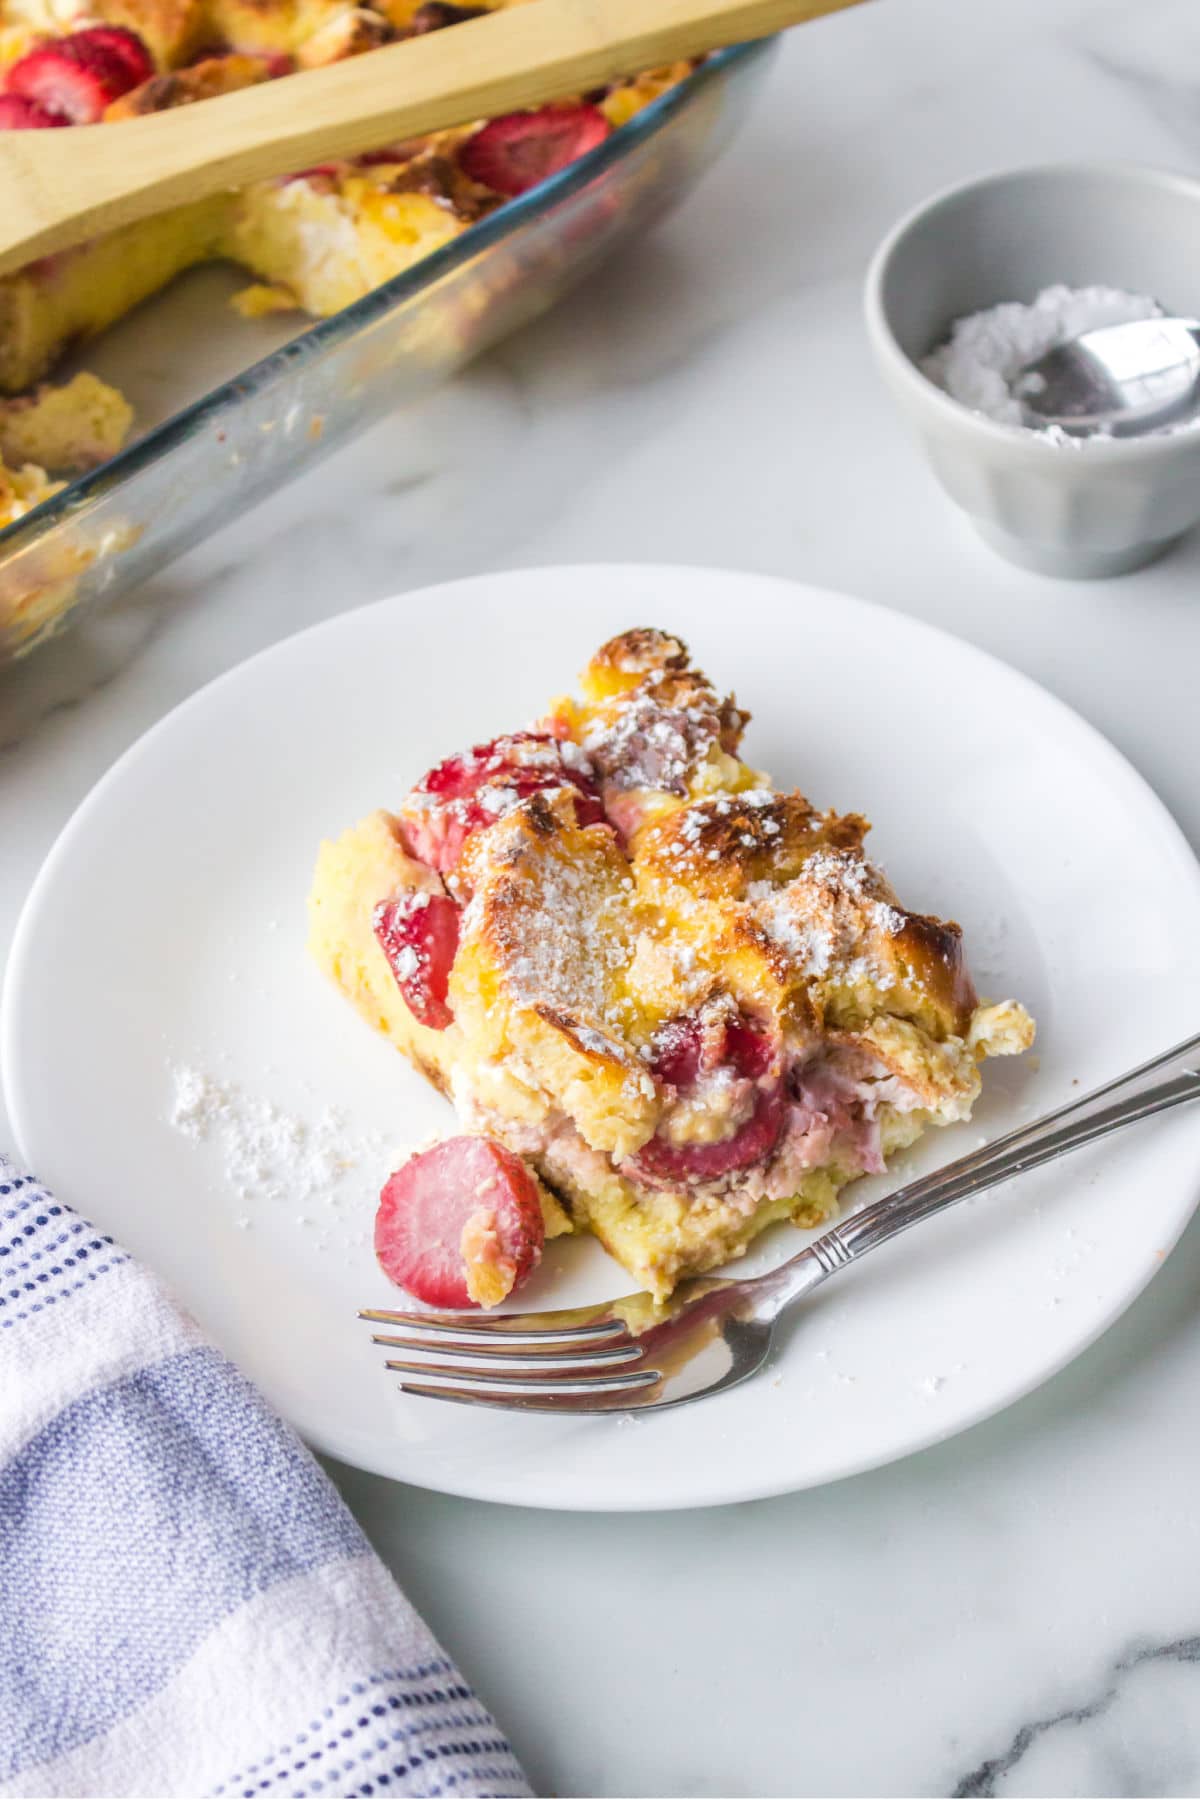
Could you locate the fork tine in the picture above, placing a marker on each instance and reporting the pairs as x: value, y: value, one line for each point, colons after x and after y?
x: 627, y: 1401
x: 436, y: 1330
x: 542, y: 1362
x: 497, y: 1387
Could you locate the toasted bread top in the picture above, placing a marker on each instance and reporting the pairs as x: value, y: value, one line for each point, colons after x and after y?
x: 576, y: 948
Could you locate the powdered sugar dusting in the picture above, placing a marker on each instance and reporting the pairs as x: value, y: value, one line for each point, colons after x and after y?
x: 268, y: 1153
x: 808, y: 942
x: 828, y: 921
x: 566, y: 939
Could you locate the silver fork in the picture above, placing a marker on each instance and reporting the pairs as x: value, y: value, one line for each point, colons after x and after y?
x: 637, y: 1354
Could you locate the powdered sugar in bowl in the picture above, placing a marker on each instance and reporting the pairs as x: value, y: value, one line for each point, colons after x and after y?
x: 1114, y: 234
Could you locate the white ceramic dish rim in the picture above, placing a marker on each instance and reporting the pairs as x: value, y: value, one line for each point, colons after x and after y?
x: 733, y: 1489
x: 928, y: 393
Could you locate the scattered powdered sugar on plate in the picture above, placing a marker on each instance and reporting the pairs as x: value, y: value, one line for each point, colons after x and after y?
x: 987, y: 945
x: 932, y: 1385
x: 270, y: 1154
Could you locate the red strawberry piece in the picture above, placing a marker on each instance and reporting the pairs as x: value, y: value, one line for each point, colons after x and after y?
x: 670, y: 1165
x: 463, y: 775
x: 19, y: 114
x: 419, y: 936
x: 677, y: 1051
x: 436, y: 835
x: 750, y: 1050
x: 468, y: 793
x: 77, y: 75
x: 458, y: 776
x: 685, y: 1049
x: 460, y: 1224
x: 513, y: 153
x: 127, y: 46
x: 279, y: 63
x: 688, y: 1044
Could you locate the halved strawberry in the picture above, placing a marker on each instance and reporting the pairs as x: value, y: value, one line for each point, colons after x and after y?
x: 19, y: 114
x: 687, y: 1048
x: 687, y: 1045
x: 79, y: 75
x: 677, y: 1047
x: 669, y: 1165
x: 460, y: 1224
x: 514, y: 152
x: 467, y: 793
x: 750, y: 1049
x: 127, y: 46
x: 436, y: 839
x: 524, y: 751
x: 419, y: 936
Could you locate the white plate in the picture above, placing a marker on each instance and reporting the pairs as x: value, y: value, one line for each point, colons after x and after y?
x: 168, y: 926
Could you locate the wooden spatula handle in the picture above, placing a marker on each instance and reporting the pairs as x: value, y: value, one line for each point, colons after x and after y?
x: 60, y: 187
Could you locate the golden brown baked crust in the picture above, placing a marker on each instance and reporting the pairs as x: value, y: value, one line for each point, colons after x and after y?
x: 775, y: 881
x: 203, y: 80
x: 349, y: 33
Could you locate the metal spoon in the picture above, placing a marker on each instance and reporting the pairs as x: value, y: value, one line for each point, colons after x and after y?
x: 1122, y: 380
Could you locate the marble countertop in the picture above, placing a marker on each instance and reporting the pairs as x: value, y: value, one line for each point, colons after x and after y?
x: 1015, y: 1612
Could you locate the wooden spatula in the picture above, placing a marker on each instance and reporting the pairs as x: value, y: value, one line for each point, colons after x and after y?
x: 59, y: 187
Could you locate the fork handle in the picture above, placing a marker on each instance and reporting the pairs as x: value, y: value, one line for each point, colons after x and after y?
x: 1106, y: 1109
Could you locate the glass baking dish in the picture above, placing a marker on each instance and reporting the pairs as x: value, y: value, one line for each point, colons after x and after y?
x: 214, y: 458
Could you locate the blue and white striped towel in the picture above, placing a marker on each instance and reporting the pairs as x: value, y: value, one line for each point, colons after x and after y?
x: 186, y: 1605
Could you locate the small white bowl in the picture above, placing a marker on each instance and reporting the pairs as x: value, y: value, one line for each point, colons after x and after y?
x: 1100, y: 507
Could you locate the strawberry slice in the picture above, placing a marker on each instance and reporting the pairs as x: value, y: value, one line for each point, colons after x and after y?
x: 468, y: 793
x: 19, y: 114
x: 514, y: 152
x: 688, y: 1048
x: 685, y: 1046
x: 677, y: 1051
x: 750, y: 1050
x: 460, y: 776
x: 126, y: 46
x: 460, y: 1224
x: 419, y: 936
x: 79, y: 75
x: 664, y: 1164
